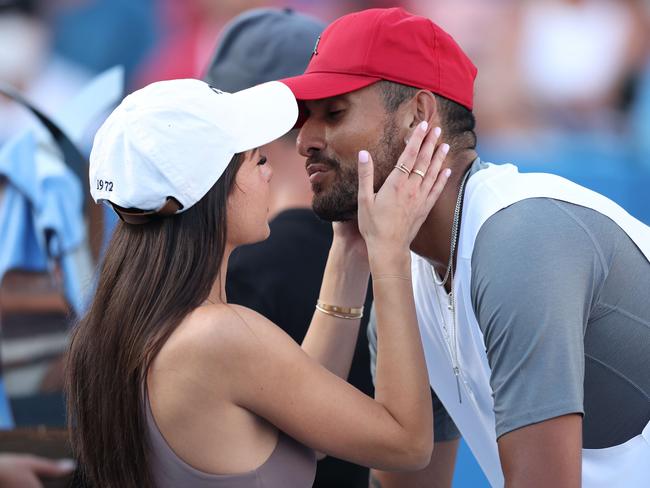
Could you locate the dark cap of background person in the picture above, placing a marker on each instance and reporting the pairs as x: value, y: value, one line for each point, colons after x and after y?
x: 391, y: 44
x: 262, y: 45
x: 20, y: 6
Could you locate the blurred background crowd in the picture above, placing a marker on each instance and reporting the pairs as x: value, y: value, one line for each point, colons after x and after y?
x: 547, y: 68
x: 563, y: 86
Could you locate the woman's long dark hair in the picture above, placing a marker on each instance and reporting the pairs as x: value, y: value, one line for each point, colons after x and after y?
x: 151, y: 277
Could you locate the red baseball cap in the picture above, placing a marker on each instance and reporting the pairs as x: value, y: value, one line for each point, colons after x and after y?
x: 391, y: 44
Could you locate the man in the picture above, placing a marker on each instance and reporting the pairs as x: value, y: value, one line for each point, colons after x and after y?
x: 531, y: 291
x: 281, y: 277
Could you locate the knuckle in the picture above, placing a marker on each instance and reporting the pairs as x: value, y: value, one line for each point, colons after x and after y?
x: 429, y: 146
x: 419, y: 134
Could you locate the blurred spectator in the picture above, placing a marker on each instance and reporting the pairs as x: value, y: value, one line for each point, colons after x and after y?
x: 577, y: 57
x: 28, y: 63
x: 49, y: 81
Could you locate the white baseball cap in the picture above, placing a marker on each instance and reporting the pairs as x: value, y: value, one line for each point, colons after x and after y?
x: 172, y: 140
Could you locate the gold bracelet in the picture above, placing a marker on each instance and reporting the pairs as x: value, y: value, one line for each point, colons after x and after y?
x: 339, y: 315
x: 387, y: 277
x: 343, y: 310
x: 350, y: 313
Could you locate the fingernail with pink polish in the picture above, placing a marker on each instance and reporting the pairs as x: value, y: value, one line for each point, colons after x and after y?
x: 445, y: 148
x: 363, y: 156
x: 437, y: 131
x: 67, y: 464
x: 424, y: 125
x: 447, y: 172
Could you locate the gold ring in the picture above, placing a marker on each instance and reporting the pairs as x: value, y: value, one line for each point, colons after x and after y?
x: 403, y: 169
x: 418, y: 172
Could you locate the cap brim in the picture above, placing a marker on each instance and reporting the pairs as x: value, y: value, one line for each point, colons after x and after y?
x: 263, y: 114
x: 317, y: 85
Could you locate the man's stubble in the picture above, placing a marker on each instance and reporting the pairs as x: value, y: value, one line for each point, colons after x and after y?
x: 339, y: 202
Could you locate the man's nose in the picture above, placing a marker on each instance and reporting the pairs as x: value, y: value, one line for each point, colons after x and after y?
x: 311, y: 138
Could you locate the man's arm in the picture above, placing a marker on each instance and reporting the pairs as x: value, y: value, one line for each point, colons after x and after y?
x: 438, y: 474
x: 545, y: 454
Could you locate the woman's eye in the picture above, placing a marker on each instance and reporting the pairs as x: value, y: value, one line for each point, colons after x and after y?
x: 262, y: 160
x: 336, y: 113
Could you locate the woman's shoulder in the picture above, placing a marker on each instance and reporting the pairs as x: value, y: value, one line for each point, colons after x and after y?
x: 235, y: 321
x: 217, y: 339
x: 226, y: 331
x: 220, y: 322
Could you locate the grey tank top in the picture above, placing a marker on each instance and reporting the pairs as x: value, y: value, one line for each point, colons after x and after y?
x: 291, y: 465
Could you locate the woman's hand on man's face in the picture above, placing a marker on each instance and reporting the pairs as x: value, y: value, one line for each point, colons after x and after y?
x: 390, y: 219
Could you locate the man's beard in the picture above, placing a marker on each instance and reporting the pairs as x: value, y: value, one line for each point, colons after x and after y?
x: 338, y: 203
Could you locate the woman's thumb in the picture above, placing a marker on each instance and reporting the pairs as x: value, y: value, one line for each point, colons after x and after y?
x: 51, y: 468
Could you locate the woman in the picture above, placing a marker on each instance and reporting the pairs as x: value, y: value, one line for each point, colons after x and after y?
x: 168, y: 384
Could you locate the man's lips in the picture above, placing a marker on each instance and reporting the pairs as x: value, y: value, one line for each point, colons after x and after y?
x: 316, y: 171
x: 316, y: 168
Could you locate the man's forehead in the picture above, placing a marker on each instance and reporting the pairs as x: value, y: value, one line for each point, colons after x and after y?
x: 344, y: 97
x: 325, y: 101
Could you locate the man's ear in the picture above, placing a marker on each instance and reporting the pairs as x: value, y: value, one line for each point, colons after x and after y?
x: 423, y: 106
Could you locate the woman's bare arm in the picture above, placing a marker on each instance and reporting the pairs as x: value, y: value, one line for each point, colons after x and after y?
x: 330, y: 340
x: 269, y: 375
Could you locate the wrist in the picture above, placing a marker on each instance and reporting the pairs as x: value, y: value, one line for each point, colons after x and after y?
x: 349, y: 258
x: 346, y: 278
x: 390, y: 262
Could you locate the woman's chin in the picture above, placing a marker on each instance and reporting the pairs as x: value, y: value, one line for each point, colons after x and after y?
x: 267, y: 232
x: 262, y: 233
